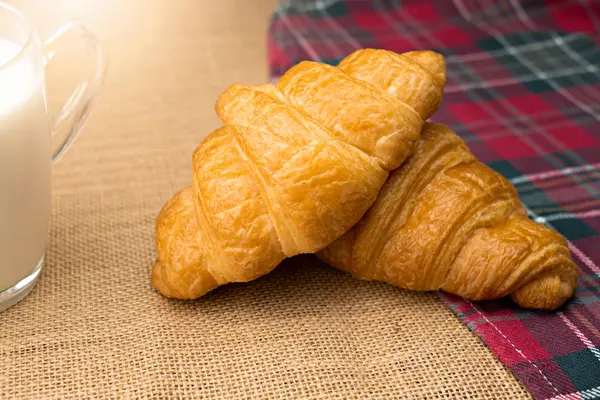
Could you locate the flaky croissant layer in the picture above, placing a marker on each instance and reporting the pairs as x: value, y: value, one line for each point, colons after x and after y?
x: 295, y: 166
x: 446, y: 221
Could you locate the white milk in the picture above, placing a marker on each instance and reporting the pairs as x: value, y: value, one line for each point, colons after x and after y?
x: 24, y: 167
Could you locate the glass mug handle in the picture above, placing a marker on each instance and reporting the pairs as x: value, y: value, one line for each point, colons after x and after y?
x: 70, y: 119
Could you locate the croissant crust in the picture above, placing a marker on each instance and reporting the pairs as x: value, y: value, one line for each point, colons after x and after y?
x: 294, y: 166
x: 445, y: 221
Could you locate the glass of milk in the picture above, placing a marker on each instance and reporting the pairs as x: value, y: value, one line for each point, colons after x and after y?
x: 31, y: 140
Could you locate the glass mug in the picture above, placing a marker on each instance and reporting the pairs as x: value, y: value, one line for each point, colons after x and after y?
x: 31, y: 140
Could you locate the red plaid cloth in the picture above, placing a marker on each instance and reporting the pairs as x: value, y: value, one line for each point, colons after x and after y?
x: 523, y: 91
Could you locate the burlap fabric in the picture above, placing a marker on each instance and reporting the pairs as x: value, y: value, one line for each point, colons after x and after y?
x: 95, y: 328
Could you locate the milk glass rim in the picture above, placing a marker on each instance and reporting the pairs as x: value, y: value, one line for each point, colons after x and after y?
x: 30, y: 33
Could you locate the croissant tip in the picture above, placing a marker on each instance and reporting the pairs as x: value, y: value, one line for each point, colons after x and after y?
x: 158, y: 281
x: 546, y: 294
x: 432, y: 60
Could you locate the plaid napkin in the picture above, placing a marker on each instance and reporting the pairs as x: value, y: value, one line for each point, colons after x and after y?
x: 523, y: 91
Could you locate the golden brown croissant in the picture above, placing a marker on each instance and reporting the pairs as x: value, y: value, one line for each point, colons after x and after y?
x: 294, y: 167
x: 446, y: 221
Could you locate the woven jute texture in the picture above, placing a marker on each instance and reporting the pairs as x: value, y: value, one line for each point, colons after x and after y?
x: 94, y: 327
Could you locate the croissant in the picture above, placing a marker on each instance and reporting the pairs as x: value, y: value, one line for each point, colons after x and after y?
x: 295, y: 166
x: 446, y: 221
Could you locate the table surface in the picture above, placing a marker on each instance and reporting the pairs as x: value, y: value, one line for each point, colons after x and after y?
x: 94, y: 326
